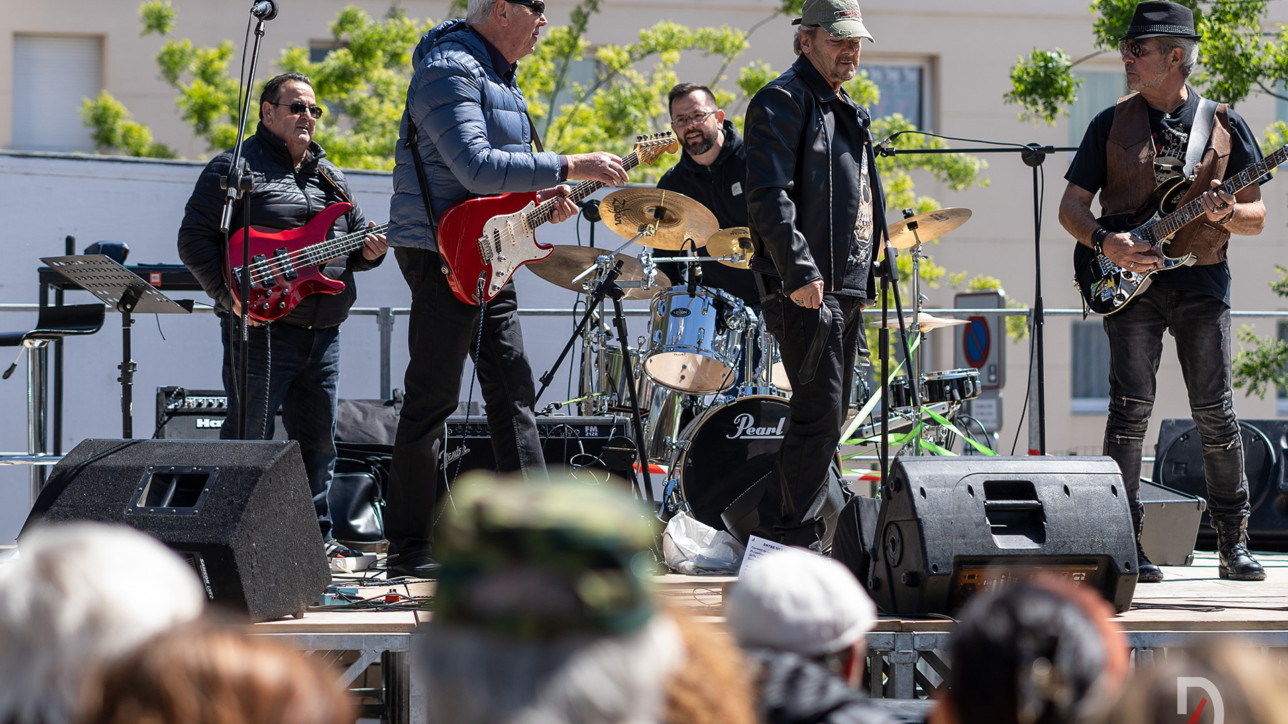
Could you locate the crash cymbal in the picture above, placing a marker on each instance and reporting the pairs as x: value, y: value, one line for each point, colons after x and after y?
x: 677, y: 217
x: 734, y: 241
x: 928, y: 226
x: 567, y: 261
x: 925, y: 321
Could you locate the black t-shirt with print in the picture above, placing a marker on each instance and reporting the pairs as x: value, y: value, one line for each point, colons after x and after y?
x: 1171, y: 133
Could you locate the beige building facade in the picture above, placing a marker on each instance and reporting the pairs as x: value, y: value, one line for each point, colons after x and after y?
x: 944, y: 60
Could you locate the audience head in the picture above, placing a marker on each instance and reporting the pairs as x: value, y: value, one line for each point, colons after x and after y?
x: 1031, y: 652
x: 715, y: 684
x: 202, y: 674
x: 796, y: 601
x: 544, y: 608
x: 1241, y: 681
x: 80, y: 595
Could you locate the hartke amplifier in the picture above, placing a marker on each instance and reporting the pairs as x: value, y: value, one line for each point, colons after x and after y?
x: 604, y: 443
x: 184, y: 414
x: 951, y: 527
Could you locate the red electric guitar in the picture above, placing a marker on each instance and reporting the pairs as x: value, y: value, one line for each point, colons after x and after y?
x: 286, y: 266
x: 484, y: 241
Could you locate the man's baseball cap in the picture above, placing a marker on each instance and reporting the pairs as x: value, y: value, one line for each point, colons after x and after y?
x: 840, y: 18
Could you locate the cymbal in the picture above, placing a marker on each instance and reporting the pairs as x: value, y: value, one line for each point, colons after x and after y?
x: 734, y: 241
x: 568, y: 261
x: 678, y: 218
x: 925, y: 321
x: 928, y: 226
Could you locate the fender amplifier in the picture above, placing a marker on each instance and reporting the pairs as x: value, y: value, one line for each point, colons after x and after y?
x: 603, y: 442
x: 184, y: 414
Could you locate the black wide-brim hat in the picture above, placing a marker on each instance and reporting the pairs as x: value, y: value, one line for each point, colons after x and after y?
x: 1155, y: 18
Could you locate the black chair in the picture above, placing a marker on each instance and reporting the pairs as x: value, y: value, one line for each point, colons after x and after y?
x: 52, y: 324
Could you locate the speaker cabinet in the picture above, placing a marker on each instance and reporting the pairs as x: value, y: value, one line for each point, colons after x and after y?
x: 239, y: 512
x: 953, y: 526
x: 1178, y: 463
x: 571, y: 441
x: 184, y: 414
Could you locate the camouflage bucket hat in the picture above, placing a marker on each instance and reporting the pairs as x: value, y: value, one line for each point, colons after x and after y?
x: 544, y: 559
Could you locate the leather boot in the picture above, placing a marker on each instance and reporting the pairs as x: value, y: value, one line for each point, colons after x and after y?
x: 1237, y: 564
x: 1146, y: 571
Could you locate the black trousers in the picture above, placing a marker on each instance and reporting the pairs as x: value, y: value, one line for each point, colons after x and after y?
x: 442, y: 330
x: 796, y: 496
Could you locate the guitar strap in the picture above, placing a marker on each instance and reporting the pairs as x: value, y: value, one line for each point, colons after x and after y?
x: 412, y: 142
x: 339, y: 191
x: 536, y: 139
x: 1200, y: 132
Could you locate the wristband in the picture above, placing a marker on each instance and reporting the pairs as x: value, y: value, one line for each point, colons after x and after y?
x: 1098, y: 239
x: 1226, y: 219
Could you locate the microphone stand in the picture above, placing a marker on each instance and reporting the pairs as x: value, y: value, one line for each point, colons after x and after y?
x: 235, y: 186
x: 1033, y: 155
x: 608, y: 286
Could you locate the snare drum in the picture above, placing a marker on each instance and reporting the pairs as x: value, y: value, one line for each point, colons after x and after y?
x: 950, y: 386
x: 695, y: 340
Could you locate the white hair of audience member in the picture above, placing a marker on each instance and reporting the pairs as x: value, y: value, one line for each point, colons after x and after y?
x: 477, y: 678
x: 794, y: 600
x: 76, y: 596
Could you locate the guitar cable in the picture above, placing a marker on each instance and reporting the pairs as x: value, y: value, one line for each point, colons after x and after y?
x: 469, y: 403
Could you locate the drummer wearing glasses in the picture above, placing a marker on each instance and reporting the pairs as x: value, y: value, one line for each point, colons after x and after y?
x: 712, y: 171
x: 811, y: 218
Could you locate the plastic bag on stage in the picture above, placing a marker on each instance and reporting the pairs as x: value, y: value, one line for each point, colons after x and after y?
x: 696, y: 549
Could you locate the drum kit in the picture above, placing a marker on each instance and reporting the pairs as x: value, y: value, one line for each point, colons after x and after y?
x: 711, y: 393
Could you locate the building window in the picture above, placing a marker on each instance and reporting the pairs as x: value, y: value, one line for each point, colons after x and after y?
x: 52, y: 75
x: 905, y: 89
x: 1100, y: 89
x: 1089, y: 368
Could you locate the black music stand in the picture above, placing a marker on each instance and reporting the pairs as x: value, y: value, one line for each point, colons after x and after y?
x: 127, y: 293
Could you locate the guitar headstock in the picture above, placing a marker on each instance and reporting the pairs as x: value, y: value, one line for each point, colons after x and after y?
x: 650, y: 147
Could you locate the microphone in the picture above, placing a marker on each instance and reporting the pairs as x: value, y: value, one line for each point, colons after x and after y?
x: 590, y: 210
x: 695, y: 274
x: 883, y: 148
x: 265, y: 10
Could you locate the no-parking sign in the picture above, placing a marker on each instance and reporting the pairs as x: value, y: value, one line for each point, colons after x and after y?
x: 981, y: 342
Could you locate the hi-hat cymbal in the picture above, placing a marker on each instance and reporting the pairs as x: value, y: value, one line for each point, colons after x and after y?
x: 927, y: 226
x: 567, y: 261
x: 734, y: 241
x: 677, y: 217
x: 925, y: 322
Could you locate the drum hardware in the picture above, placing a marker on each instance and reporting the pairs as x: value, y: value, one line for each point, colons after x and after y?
x: 658, y: 218
x: 569, y: 266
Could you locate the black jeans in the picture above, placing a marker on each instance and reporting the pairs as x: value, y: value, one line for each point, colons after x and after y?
x: 1200, y: 324
x: 792, y: 510
x: 441, y: 332
x: 298, y: 370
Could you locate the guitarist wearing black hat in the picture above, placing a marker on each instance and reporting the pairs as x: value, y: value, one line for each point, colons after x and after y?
x: 1162, y: 133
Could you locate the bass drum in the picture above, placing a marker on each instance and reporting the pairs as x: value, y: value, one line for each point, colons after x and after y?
x: 727, y: 448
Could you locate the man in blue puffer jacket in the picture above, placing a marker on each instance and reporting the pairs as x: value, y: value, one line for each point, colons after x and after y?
x: 475, y: 139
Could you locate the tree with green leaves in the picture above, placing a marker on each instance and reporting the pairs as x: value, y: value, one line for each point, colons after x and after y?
x: 1238, y: 59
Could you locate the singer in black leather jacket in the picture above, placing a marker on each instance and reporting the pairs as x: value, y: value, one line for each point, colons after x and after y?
x: 811, y: 216
x: 294, y: 363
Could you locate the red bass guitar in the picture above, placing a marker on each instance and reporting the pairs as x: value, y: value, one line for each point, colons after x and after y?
x: 484, y: 241
x: 286, y: 266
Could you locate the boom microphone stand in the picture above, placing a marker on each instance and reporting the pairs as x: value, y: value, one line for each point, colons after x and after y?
x: 235, y: 186
x: 1032, y: 155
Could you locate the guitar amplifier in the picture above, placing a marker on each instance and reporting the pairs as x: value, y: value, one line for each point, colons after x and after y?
x: 184, y: 414
x: 604, y: 443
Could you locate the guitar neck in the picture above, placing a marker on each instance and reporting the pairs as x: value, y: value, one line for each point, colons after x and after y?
x: 324, y: 251
x: 1173, y: 222
x: 541, y: 214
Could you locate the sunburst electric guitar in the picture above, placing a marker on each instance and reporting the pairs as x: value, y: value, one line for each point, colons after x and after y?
x: 1107, y: 287
x: 286, y: 266
x: 484, y: 241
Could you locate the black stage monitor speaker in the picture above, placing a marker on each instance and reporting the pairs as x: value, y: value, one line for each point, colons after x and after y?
x: 1178, y: 463
x: 239, y: 512
x: 953, y: 526
x: 1171, y: 524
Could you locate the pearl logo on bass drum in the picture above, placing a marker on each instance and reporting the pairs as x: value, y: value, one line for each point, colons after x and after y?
x: 746, y: 429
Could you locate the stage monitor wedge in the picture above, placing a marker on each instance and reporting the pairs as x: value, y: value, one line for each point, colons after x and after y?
x: 238, y: 511
x: 952, y: 526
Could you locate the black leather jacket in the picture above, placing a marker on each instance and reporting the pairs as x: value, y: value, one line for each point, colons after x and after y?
x: 804, y: 146
x: 283, y: 199
x: 720, y: 188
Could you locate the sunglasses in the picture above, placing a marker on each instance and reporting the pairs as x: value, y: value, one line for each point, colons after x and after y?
x: 538, y: 7
x: 1135, y: 47
x: 298, y: 108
